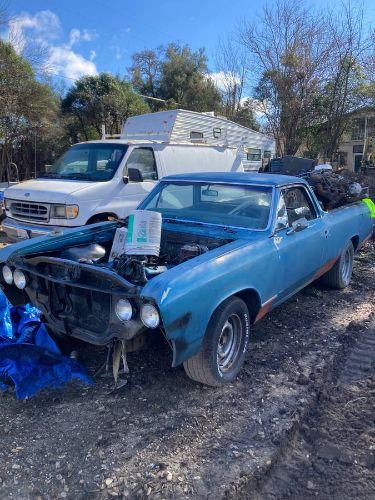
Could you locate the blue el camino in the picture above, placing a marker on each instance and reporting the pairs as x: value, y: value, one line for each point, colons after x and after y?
x: 233, y: 247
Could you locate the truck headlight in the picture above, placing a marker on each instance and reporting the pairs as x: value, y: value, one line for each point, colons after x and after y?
x: 20, y: 279
x: 150, y: 316
x: 7, y: 275
x: 124, y: 310
x: 64, y: 211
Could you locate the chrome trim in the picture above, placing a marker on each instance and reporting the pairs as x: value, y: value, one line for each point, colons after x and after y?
x: 10, y: 226
x: 319, y: 212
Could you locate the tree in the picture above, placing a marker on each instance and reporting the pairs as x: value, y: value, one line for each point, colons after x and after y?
x: 146, y: 72
x: 289, y: 50
x: 26, y: 105
x: 94, y: 101
x: 231, y: 71
x: 245, y: 114
x: 177, y: 75
x: 342, y: 92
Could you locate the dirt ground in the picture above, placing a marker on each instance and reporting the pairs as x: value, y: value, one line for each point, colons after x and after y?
x: 298, y: 422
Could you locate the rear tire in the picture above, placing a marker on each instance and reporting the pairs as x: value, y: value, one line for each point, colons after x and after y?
x: 340, y: 275
x: 224, y: 345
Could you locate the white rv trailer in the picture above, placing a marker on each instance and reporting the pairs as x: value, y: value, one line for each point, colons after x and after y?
x: 181, y: 126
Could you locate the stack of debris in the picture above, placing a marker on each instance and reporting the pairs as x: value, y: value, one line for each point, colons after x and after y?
x: 334, y: 190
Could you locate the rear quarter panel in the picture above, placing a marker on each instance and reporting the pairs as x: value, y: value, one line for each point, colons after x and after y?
x: 345, y: 223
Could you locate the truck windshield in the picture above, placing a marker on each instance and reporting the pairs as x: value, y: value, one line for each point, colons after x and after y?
x: 233, y: 205
x: 89, y: 162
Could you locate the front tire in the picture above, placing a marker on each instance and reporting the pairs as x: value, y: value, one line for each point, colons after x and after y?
x: 341, y: 273
x: 224, y: 345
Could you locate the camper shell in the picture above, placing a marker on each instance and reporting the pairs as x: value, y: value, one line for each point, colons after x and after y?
x: 182, y: 126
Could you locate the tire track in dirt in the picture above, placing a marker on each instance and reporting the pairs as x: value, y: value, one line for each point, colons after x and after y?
x: 332, y: 454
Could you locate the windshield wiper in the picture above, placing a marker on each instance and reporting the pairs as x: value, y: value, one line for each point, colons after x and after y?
x: 171, y: 220
x: 50, y: 175
x: 77, y: 175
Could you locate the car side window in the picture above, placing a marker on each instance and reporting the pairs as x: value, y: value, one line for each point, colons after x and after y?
x: 144, y: 160
x: 281, y: 214
x: 298, y: 204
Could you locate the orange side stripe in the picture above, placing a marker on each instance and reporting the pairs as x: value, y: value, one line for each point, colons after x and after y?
x: 266, y: 307
x: 324, y: 269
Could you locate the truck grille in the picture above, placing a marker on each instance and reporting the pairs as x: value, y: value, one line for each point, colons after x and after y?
x: 28, y: 210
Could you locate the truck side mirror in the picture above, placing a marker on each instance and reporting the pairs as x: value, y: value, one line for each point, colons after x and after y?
x: 135, y: 175
x: 298, y: 226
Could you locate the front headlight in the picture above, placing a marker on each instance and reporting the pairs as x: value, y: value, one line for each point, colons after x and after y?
x: 64, y: 211
x: 20, y: 279
x: 7, y: 275
x: 150, y: 316
x: 124, y: 310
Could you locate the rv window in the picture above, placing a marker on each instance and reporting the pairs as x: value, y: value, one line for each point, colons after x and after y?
x: 144, y: 160
x: 196, y: 135
x: 216, y: 132
x: 267, y: 154
x: 254, y: 154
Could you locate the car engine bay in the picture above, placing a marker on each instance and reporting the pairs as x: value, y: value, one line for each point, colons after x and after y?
x: 175, y: 248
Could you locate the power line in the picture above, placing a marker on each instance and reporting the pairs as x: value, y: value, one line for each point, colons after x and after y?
x: 140, y: 95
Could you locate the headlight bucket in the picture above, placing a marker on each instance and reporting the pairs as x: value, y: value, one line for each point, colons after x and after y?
x: 20, y: 279
x: 150, y: 316
x: 124, y: 310
x: 64, y: 211
x: 7, y: 275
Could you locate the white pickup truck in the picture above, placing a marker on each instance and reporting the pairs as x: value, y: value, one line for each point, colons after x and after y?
x: 96, y: 181
x: 100, y: 180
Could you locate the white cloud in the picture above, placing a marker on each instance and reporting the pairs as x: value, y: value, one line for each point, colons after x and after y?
x: 41, y: 27
x: 68, y: 63
x: 117, y: 50
x: 76, y: 36
x: 44, y: 29
x: 222, y: 79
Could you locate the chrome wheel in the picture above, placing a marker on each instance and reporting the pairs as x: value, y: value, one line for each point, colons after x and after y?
x: 347, y: 266
x: 229, y: 342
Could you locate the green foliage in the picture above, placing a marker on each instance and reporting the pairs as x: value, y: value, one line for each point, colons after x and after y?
x: 245, y: 115
x: 26, y: 105
x: 176, y: 74
x: 97, y: 100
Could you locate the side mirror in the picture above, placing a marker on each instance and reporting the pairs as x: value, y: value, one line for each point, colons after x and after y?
x: 298, y: 226
x: 135, y: 175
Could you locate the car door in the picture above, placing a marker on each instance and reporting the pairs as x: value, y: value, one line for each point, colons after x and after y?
x: 132, y: 192
x: 300, y: 238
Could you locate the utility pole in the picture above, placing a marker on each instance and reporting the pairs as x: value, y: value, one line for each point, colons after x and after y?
x: 35, y: 154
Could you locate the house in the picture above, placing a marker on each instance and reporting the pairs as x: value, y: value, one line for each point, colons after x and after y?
x: 359, y: 139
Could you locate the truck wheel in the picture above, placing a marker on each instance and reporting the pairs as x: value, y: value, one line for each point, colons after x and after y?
x: 340, y: 275
x: 224, y: 345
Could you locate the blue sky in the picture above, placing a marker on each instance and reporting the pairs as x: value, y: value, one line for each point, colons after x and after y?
x: 89, y: 36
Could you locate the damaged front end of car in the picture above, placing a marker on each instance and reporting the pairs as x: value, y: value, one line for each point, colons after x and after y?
x: 83, y: 294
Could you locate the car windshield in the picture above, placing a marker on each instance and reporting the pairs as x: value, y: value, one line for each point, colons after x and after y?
x: 246, y: 206
x: 89, y: 162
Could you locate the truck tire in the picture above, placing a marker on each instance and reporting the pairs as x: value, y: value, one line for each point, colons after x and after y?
x: 224, y: 345
x: 340, y: 275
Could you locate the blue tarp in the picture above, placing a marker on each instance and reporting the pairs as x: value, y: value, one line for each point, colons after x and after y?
x: 30, y: 360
